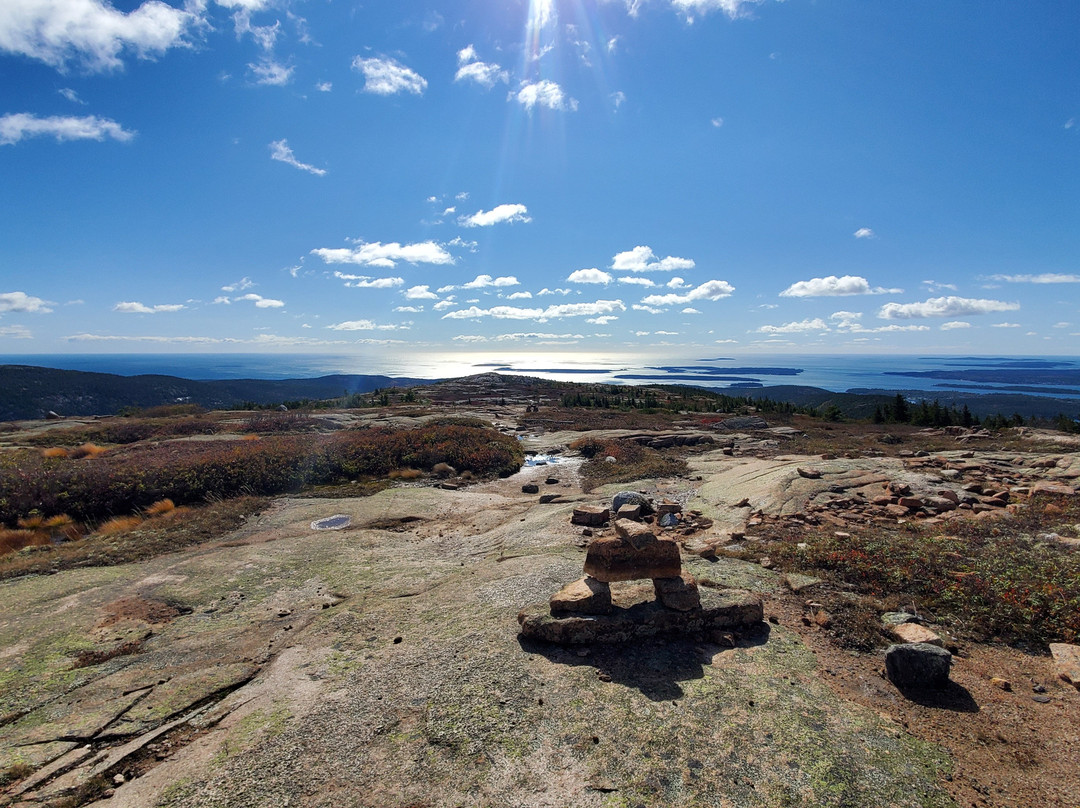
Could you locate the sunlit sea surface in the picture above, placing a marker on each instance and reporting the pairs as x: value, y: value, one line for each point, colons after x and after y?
x: 1041, y: 375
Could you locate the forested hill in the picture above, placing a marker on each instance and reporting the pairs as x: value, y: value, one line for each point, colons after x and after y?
x: 31, y: 392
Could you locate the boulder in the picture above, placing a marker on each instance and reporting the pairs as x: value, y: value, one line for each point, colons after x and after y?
x: 668, y: 507
x: 614, y: 559
x: 546, y: 499
x: 632, y: 512
x: 590, y: 515
x: 631, y: 498
x: 530, y: 488
x: 914, y: 633
x: 679, y: 593
x: 584, y: 596
x: 668, y: 520
x: 637, y: 534
x: 1067, y: 662
x: 917, y: 665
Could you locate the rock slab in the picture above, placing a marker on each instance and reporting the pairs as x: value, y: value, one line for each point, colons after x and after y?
x: 1067, y: 662
x: 610, y: 559
x: 726, y: 609
x: 583, y: 596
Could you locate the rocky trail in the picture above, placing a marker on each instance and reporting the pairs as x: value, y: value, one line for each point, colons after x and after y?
x: 380, y: 664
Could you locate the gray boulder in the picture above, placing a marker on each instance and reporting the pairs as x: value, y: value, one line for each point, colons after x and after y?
x: 918, y: 665
x: 631, y: 498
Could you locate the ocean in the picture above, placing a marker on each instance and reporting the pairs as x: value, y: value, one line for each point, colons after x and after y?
x: 1057, y: 376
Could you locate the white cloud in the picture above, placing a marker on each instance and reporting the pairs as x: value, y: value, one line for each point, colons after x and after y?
x: 92, y: 33
x: 270, y: 73
x: 618, y: 98
x: 935, y: 286
x: 677, y: 283
x: 954, y: 324
x: 377, y: 254
x: 864, y: 232
x: 71, y: 95
x: 409, y: 309
x: 360, y: 325
x: 690, y: 310
x: 600, y: 307
x: 544, y: 93
x: 519, y: 296
x: 602, y: 320
x: 950, y: 306
x: 800, y: 327
x: 133, y: 307
x: 832, y: 286
x: 324, y: 86
x: 546, y: 291
x: 717, y: 122
x: 1062, y: 325
x: 222, y: 300
x: 710, y: 290
x: 1045, y: 277
x: 485, y: 73
x: 388, y: 76
x: 592, y: 275
x: 22, y: 303
x: 643, y: 259
x: 279, y: 150
x: 262, y: 302
x: 649, y: 309
x: 366, y: 282
x: 421, y: 293
x: 484, y: 281
x: 242, y: 284
x: 16, y: 126
x: 733, y: 8
x: 443, y: 305
x: 637, y: 280
x: 15, y: 332
x: 1006, y: 325
x: 500, y: 213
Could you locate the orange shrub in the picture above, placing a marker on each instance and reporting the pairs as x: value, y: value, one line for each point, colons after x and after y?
x: 119, y: 524
x: 162, y: 506
x: 54, y: 451
x: 88, y: 450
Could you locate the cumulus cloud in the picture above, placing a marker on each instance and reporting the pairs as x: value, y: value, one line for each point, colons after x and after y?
x: 134, y: 307
x: 592, y: 275
x: 22, y: 303
x: 544, y: 93
x: 637, y: 280
x: 864, y: 232
x: 710, y: 290
x: 17, y: 126
x: 950, y: 306
x: 388, y: 76
x: 602, y: 320
x: 1045, y: 277
x: 954, y: 324
x: 270, y: 73
x: 483, y: 73
x: 324, y: 86
x: 484, y: 281
x: 279, y: 150
x: 367, y: 282
x: 509, y: 213
x: 600, y: 307
x: 690, y: 310
x: 261, y: 302
x: 377, y: 254
x: 91, y: 33
x: 519, y: 296
x: 832, y: 286
x: 643, y: 259
x: 800, y: 327
x: 421, y: 293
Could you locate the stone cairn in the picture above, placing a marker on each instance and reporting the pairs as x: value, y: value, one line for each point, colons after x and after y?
x: 585, y: 610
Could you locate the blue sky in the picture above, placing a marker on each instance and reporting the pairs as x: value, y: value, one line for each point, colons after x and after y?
x: 639, y: 177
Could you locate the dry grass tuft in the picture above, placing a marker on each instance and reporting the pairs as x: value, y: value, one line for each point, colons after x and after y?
x: 443, y: 470
x: 119, y: 524
x: 33, y: 522
x: 161, y: 507
x: 88, y: 450
x: 405, y: 474
x: 54, y: 452
x: 14, y: 540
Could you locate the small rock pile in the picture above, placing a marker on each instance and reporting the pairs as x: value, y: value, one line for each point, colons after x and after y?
x: 586, y: 610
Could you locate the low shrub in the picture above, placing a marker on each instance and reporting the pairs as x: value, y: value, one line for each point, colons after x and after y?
x: 162, y: 506
x: 130, y: 479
